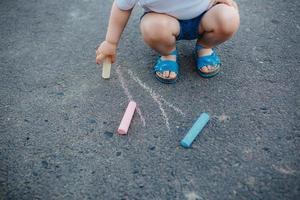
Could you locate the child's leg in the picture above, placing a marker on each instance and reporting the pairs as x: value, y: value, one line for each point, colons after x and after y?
x: 217, y: 25
x: 159, y: 32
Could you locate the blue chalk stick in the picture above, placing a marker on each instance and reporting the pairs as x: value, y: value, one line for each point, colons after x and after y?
x: 195, y: 130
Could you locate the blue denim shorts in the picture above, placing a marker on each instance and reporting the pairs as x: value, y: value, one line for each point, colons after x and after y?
x: 189, y: 29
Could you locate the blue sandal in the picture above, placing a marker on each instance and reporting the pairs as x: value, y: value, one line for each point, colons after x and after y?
x: 166, y: 65
x: 203, y: 61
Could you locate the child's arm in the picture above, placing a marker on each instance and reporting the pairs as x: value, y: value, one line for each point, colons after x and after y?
x: 117, y: 22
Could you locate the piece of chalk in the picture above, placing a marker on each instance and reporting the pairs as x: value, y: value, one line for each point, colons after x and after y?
x: 106, y: 68
x: 125, y: 123
x: 195, y: 130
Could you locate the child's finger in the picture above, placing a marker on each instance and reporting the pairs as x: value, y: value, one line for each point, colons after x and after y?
x: 98, y: 61
x: 100, y: 58
x: 98, y: 52
x: 235, y: 5
x: 113, y: 58
x: 231, y: 3
x: 97, y: 47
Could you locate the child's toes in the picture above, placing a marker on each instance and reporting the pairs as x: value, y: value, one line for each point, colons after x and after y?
x: 204, y: 69
x: 172, y: 75
x: 210, y: 68
x: 160, y: 74
x: 166, y: 74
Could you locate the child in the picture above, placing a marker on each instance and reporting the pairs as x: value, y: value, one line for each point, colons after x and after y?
x: 211, y: 22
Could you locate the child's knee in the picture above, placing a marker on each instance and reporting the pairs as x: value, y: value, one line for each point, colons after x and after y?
x: 155, y: 30
x: 228, y: 20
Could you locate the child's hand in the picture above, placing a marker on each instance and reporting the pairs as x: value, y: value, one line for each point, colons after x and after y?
x: 106, y: 49
x: 227, y: 2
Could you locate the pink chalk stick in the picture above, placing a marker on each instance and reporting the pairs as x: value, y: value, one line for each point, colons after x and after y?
x: 125, y: 123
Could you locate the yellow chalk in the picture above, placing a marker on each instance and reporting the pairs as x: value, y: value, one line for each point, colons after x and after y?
x: 106, y: 68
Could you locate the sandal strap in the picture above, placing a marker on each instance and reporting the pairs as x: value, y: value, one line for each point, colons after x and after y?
x: 173, y: 53
x: 166, y: 65
x: 203, y: 61
x: 212, y: 60
x: 198, y: 47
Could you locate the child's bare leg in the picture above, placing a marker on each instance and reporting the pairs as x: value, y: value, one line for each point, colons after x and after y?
x: 159, y: 32
x: 217, y: 25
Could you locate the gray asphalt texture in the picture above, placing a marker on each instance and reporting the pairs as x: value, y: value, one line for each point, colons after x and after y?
x: 58, y: 117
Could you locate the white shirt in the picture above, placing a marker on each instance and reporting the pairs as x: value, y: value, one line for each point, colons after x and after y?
x: 181, y: 9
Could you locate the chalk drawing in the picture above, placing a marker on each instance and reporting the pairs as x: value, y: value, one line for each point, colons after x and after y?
x: 154, y: 94
x: 222, y: 118
x: 129, y: 96
x: 192, y: 196
x: 285, y: 169
x: 157, y: 98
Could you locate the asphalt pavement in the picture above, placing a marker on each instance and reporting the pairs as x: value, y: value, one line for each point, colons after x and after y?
x: 58, y: 117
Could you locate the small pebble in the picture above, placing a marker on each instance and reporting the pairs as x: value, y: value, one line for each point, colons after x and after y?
x: 263, y: 108
x: 66, y: 117
x: 152, y: 148
x: 274, y: 21
x: 44, y: 163
x: 92, y: 121
x: 108, y: 134
x: 266, y: 149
